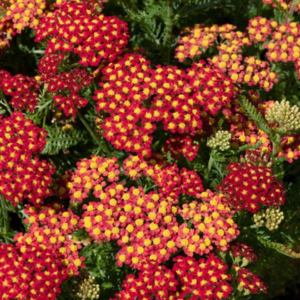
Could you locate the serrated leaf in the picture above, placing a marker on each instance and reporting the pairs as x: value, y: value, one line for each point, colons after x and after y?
x: 58, y: 140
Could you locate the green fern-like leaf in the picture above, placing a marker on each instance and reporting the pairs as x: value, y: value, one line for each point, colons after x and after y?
x: 256, y: 116
x: 58, y: 140
x: 279, y: 248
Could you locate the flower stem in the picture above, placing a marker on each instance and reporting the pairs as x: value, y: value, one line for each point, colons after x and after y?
x: 5, y: 102
x: 5, y: 216
x: 92, y: 133
x: 168, y: 31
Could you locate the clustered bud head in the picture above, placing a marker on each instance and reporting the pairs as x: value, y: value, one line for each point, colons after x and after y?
x: 220, y: 141
x: 270, y: 218
x: 287, y: 117
x: 88, y: 289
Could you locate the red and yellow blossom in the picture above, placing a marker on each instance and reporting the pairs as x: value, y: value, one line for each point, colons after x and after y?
x: 212, y: 225
x: 22, y: 89
x: 249, y: 281
x: 137, y: 97
x: 144, y: 225
x: 74, y: 27
x: 248, y: 186
x: 23, y: 176
x: 25, y: 13
x: 50, y: 228
x: 36, y: 273
x: 205, y: 278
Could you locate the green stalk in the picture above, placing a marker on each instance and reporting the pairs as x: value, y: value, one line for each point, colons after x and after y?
x: 5, y: 216
x: 169, y: 29
x: 293, y: 7
x: 92, y: 133
x: 5, y: 102
x: 285, y: 13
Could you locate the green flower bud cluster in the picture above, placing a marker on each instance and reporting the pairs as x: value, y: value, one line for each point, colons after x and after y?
x: 287, y: 117
x: 270, y: 218
x: 88, y: 289
x: 220, y: 141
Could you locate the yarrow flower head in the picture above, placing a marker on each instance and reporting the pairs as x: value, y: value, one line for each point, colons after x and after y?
x: 51, y: 227
x: 220, y: 141
x: 36, y: 273
x: 181, y: 145
x: 127, y: 84
x: 137, y: 97
x: 24, y: 13
x: 248, y: 281
x: 212, y: 225
x: 23, y: 176
x: 22, y: 89
x: 259, y: 29
x: 87, y: 288
x: 242, y: 251
x: 92, y: 174
x: 248, y: 187
x: 201, y: 279
x: 284, y: 44
x: 74, y: 27
x: 281, y: 113
x: 171, y: 180
x: 270, y: 218
x: 144, y: 225
x: 153, y: 281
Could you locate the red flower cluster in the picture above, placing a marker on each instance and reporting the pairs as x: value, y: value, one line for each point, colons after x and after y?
x: 242, y: 250
x: 285, y: 44
x: 171, y: 180
x: 144, y: 225
x: 127, y: 84
x: 21, y: 176
x: 51, y: 228
x: 213, y: 90
x: 22, y: 89
x: 202, y: 279
x: 255, y: 71
x: 34, y: 274
x: 49, y: 65
x: 259, y: 29
x: 24, y: 13
x: 153, y: 282
x: 181, y: 145
x: 249, y: 281
x: 178, y: 97
x: 212, y: 225
x: 198, y: 39
x: 60, y: 187
x: 75, y: 28
x: 92, y: 174
x: 90, y: 3
x: 281, y: 42
x: 64, y: 82
x: 68, y: 86
x: 248, y: 186
x: 65, y: 86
